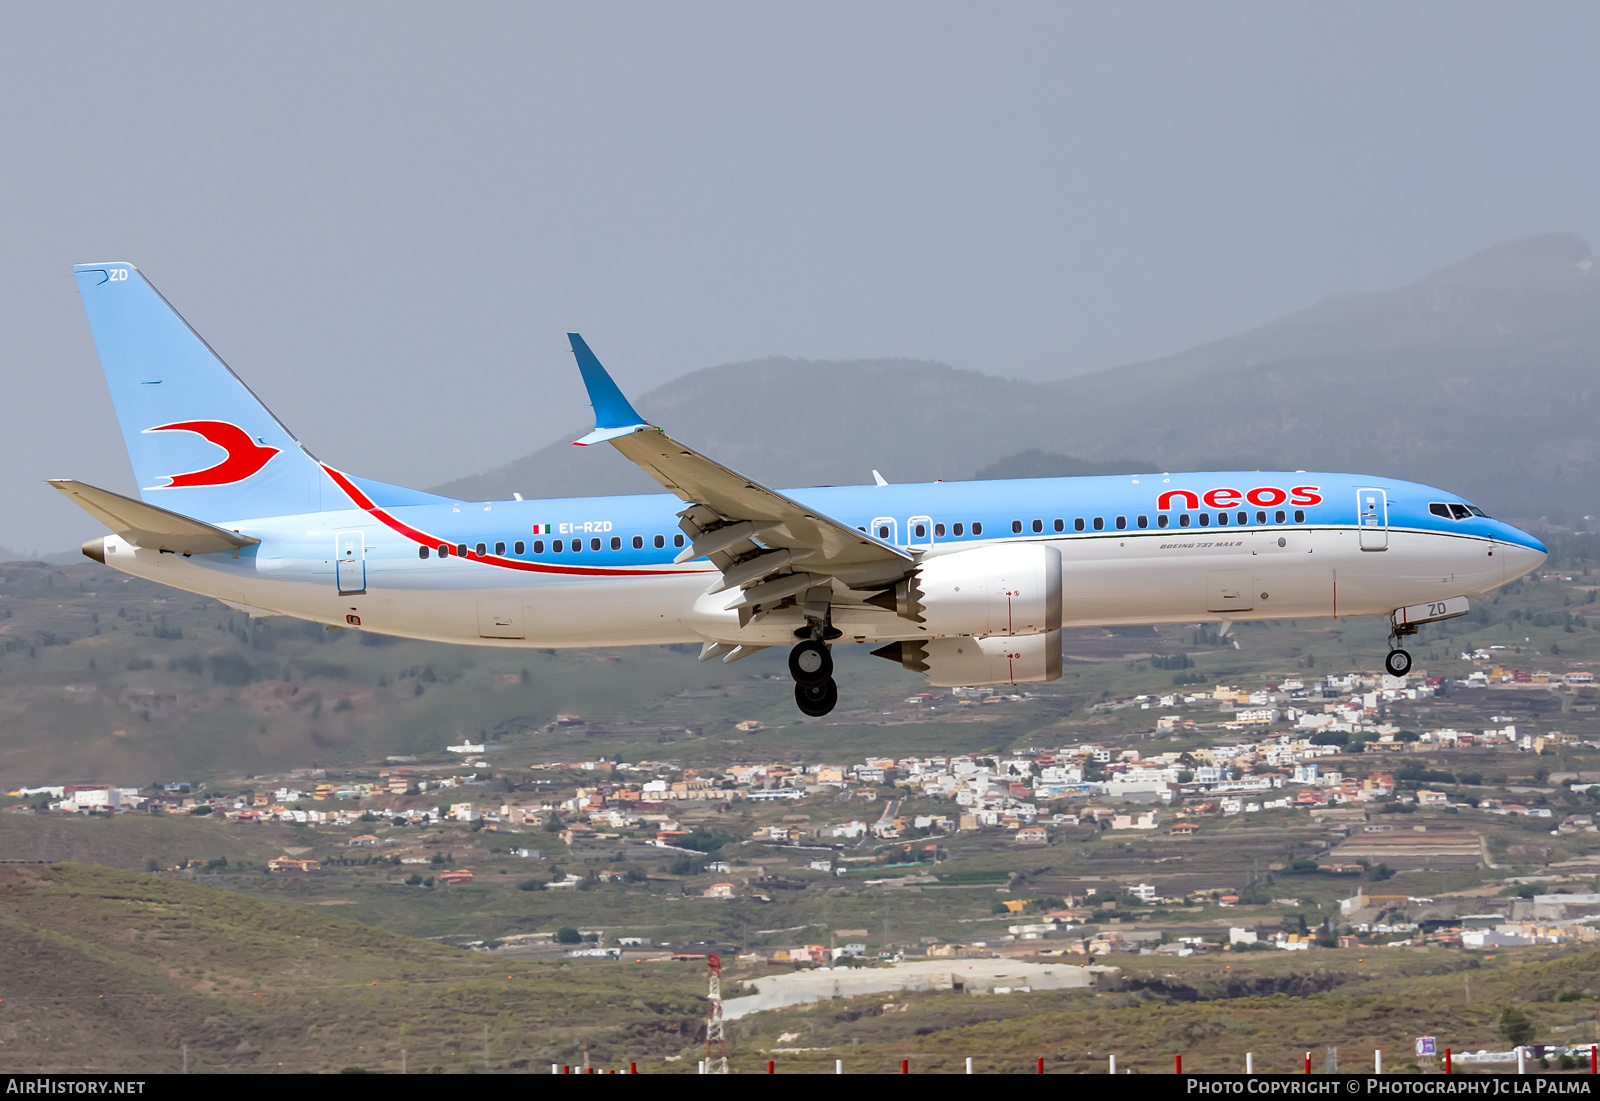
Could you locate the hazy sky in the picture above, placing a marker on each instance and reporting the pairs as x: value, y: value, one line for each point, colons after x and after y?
x: 386, y: 216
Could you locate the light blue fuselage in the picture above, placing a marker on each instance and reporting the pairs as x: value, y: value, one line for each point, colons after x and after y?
x: 1120, y: 565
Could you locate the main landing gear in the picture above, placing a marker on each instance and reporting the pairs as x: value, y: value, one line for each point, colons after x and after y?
x: 811, y: 666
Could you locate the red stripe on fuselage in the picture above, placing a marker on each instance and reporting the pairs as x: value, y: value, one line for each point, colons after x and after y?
x: 423, y: 539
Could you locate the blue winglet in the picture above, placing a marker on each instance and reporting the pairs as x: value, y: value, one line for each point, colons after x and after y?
x: 613, y: 416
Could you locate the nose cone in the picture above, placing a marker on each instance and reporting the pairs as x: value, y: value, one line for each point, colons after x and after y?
x: 1523, y: 554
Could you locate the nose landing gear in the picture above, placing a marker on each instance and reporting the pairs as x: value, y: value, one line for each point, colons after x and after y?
x: 1398, y: 661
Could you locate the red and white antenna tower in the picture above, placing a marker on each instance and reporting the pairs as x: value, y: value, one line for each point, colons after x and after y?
x: 718, y: 1063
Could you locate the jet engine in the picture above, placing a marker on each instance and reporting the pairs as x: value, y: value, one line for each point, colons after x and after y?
x: 963, y: 662
x: 1010, y: 589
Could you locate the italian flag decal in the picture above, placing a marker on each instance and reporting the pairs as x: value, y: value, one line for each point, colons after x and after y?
x: 541, y: 529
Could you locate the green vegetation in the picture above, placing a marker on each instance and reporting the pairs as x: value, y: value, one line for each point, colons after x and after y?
x: 110, y: 970
x: 125, y: 680
x: 1211, y: 1010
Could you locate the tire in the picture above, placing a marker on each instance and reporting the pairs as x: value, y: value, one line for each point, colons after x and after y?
x: 810, y: 663
x: 816, y: 700
x: 1398, y: 663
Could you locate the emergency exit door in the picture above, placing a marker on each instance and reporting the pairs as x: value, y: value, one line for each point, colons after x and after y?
x: 350, y: 547
x: 1372, y: 519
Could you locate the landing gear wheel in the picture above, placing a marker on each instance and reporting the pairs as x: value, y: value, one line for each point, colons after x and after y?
x: 810, y: 663
x: 1398, y: 663
x: 816, y: 700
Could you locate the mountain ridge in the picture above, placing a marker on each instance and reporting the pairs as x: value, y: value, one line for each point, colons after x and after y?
x: 1481, y: 377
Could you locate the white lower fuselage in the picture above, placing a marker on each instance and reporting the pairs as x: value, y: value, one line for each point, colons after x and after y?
x: 1145, y: 577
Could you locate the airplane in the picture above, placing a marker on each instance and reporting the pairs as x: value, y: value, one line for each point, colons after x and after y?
x: 966, y: 583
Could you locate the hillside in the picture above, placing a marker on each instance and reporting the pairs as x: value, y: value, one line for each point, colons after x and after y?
x: 1480, y: 377
x: 112, y: 970
x: 115, y: 971
x: 107, y: 678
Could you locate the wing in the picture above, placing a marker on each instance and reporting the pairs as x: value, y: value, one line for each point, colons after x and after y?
x: 148, y: 526
x: 769, y: 546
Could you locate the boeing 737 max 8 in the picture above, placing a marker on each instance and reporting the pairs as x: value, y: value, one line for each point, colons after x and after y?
x: 967, y: 583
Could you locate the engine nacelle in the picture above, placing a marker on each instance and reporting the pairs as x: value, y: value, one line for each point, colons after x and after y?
x: 1010, y: 589
x: 964, y: 662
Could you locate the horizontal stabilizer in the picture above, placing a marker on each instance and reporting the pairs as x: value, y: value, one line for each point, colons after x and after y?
x: 148, y: 526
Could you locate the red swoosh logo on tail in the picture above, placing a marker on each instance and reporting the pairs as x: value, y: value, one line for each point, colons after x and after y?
x: 245, y: 456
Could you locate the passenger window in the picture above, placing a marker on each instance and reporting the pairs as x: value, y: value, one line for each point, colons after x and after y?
x: 1299, y: 516
x: 977, y: 527
x: 959, y: 529
x: 660, y: 542
x: 1061, y: 525
x: 922, y: 531
x: 1278, y: 516
x: 444, y: 550
x: 1077, y: 525
x: 616, y: 543
x: 1122, y: 522
x: 1183, y: 521
x: 1461, y: 511
x: 594, y: 544
x: 860, y: 528
x: 1261, y: 517
x: 1016, y: 527
x: 422, y: 552
x: 499, y: 548
x: 677, y: 540
x: 1144, y: 521
x: 461, y: 549
x: 938, y: 531
x: 883, y: 531
x: 1222, y: 519
x: 519, y: 547
x: 482, y: 550
x: 638, y: 542
x: 1099, y: 523
x: 1205, y: 519
x: 557, y: 546
x: 538, y: 546
x: 1244, y: 517
x: 1162, y: 520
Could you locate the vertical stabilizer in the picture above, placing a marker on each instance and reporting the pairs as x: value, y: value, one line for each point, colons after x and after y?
x: 200, y: 442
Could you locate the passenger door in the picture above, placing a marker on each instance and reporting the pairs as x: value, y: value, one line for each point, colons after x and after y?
x: 350, y: 571
x: 1372, y: 519
x: 885, y: 528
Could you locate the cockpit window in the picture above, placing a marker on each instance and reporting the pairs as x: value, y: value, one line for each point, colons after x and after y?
x: 1455, y: 511
x: 1476, y: 511
x: 1461, y: 511
x: 1439, y: 508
